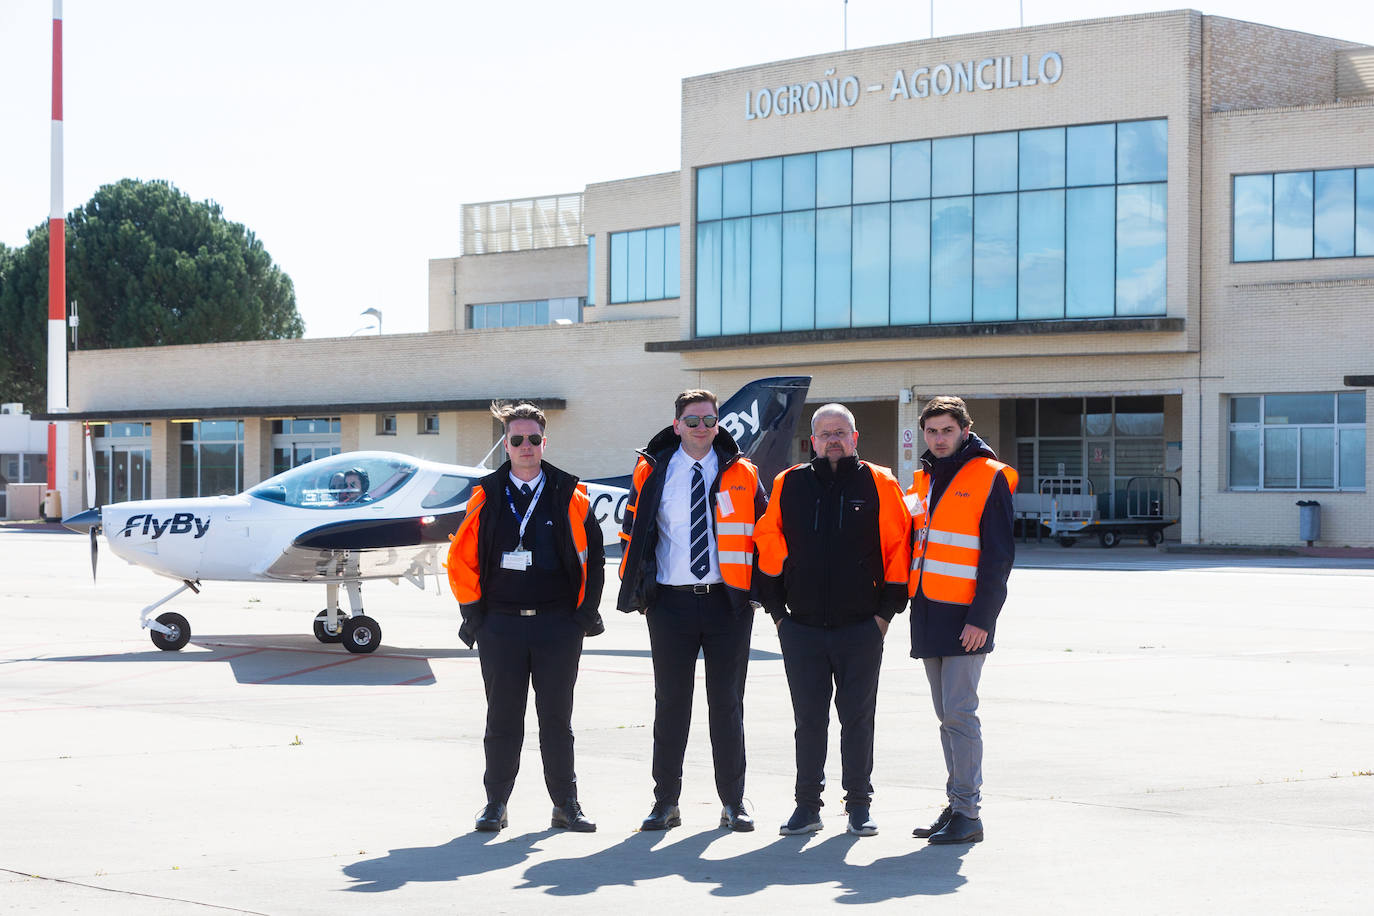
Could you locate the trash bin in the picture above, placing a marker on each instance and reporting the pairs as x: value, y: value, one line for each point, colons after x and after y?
x: 52, y: 505
x: 1309, y: 520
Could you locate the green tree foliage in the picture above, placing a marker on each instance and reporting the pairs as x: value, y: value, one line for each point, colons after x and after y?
x: 147, y: 266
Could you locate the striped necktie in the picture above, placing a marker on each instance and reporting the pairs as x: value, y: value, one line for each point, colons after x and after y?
x: 700, y: 553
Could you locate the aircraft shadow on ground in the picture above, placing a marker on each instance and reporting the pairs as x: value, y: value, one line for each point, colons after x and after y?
x: 294, y: 661
x: 786, y: 862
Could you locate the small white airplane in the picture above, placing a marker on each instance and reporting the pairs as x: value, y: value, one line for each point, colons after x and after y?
x: 341, y: 520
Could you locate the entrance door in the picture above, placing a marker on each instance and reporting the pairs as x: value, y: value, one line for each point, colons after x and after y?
x: 1098, y: 469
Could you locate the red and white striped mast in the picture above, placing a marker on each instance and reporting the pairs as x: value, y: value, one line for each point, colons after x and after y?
x: 57, y: 258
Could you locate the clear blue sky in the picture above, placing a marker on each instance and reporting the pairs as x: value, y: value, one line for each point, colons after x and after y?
x: 347, y: 134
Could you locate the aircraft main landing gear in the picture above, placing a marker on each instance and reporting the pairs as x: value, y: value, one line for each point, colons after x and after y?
x: 358, y: 633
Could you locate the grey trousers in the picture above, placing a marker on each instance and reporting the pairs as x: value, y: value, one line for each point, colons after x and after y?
x: 954, y: 691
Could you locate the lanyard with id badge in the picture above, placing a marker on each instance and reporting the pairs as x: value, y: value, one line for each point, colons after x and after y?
x: 521, y: 559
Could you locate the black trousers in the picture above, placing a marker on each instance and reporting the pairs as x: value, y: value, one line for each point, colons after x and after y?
x: 515, y: 652
x: 681, y: 625
x: 848, y: 660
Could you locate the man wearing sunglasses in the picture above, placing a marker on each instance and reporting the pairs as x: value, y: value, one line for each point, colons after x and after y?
x: 688, y: 566
x: 527, y: 567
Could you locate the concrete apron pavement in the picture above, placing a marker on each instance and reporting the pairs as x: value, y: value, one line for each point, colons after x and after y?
x: 1164, y: 733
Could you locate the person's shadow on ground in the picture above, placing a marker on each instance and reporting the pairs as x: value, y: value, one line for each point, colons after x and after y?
x: 786, y: 862
x: 468, y: 854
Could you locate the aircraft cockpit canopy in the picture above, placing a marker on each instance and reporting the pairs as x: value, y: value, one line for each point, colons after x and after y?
x: 338, y: 482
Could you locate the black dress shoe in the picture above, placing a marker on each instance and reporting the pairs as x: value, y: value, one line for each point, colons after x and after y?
x: 940, y: 822
x: 492, y: 818
x: 960, y: 829
x: 570, y: 816
x: 663, y: 816
x: 736, y: 818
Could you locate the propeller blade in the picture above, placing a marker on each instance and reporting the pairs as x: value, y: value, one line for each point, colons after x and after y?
x: 95, y: 549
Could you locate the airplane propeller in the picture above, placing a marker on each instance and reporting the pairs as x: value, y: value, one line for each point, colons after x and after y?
x: 88, y: 521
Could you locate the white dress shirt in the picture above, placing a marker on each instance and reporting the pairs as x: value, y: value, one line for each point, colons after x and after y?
x: 674, y: 549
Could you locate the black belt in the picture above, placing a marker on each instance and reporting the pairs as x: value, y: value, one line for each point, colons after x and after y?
x: 701, y: 588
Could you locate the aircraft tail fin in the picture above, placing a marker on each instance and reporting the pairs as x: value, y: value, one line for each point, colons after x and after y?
x: 763, y: 417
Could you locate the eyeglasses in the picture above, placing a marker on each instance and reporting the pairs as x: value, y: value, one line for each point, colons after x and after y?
x: 840, y: 434
x: 518, y: 440
x: 692, y: 421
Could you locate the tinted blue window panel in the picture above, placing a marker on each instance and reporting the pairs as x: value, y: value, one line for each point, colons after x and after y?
x: 910, y: 170
x: 872, y: 174
x: 1041, y: 158
x: 672, y: 263
x: 1090, y: 156
x: 799, y: 271
x: 1142, y: 212
x: 527, y: 313
x: 994, y: 257
x: 735, y: 193
x: 635, y: 283
x: 708, y: 193
x: 832, y: 267
x: 951, y: 166
x: 869, y: 255
x: 994, y: 163
x: 765, y: 274
x: 1352, y: 458
x: 767, y: 185
x: 620, y: 267
x: 653, y: 263
x: 833, y: 177
x: 951, y: 260
x: 1364, y: 212
x: 799, y: 182
x: 708, y: 279
x: 1292, y: 215
x: 910, y: 303
x: 1142, y: 151
x: 1089, y: 252
x: 1252, y: 233
x: 1040, y: 264
x: 734, y: 277
x: 1334, y: 220
x: 591, y: 270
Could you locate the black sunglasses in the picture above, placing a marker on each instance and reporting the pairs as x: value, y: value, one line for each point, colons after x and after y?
x: 518, y: 440
x: 692, y: 421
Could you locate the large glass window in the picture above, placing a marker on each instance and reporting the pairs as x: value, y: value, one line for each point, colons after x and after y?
x: 645, y: 262
x: 1018, y: 225
x: 303, y: 439
x: 520, y: 314
x: 211, y: 457
x: 1300, y: 215
x: 1297, y: 441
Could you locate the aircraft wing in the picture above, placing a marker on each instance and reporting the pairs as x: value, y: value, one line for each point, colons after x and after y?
x: 355, y: 549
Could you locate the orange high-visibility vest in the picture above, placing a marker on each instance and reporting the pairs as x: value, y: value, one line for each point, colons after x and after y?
x: 464, y: 572
x: 734, y: 530
x: 944, y: 562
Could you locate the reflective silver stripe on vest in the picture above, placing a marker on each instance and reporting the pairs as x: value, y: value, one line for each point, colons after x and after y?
x: 953, y: 570
x: 582, y: 555
x: 954, y: 539
x: 736, y: 556
x: 741, y: 528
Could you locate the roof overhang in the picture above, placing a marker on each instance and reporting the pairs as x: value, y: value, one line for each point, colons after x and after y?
x: 299, y: 410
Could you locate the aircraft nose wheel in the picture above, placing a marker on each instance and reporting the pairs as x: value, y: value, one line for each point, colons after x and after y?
x: 361, y: 634
x: 179, y: 637
x: 323, y: 632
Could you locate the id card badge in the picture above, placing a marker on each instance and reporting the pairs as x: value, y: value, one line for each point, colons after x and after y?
x: 518, y: 560
x: 723, y: 502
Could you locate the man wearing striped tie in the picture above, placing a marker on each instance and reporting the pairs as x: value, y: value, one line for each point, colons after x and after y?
x: 688, y: 566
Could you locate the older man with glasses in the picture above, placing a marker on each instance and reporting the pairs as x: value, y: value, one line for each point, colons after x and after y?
x: 688, y: 565
x: 834, y: 557
x: 527, y: 568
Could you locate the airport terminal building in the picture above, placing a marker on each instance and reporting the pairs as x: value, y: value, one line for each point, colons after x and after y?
x: 1140, y: 247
